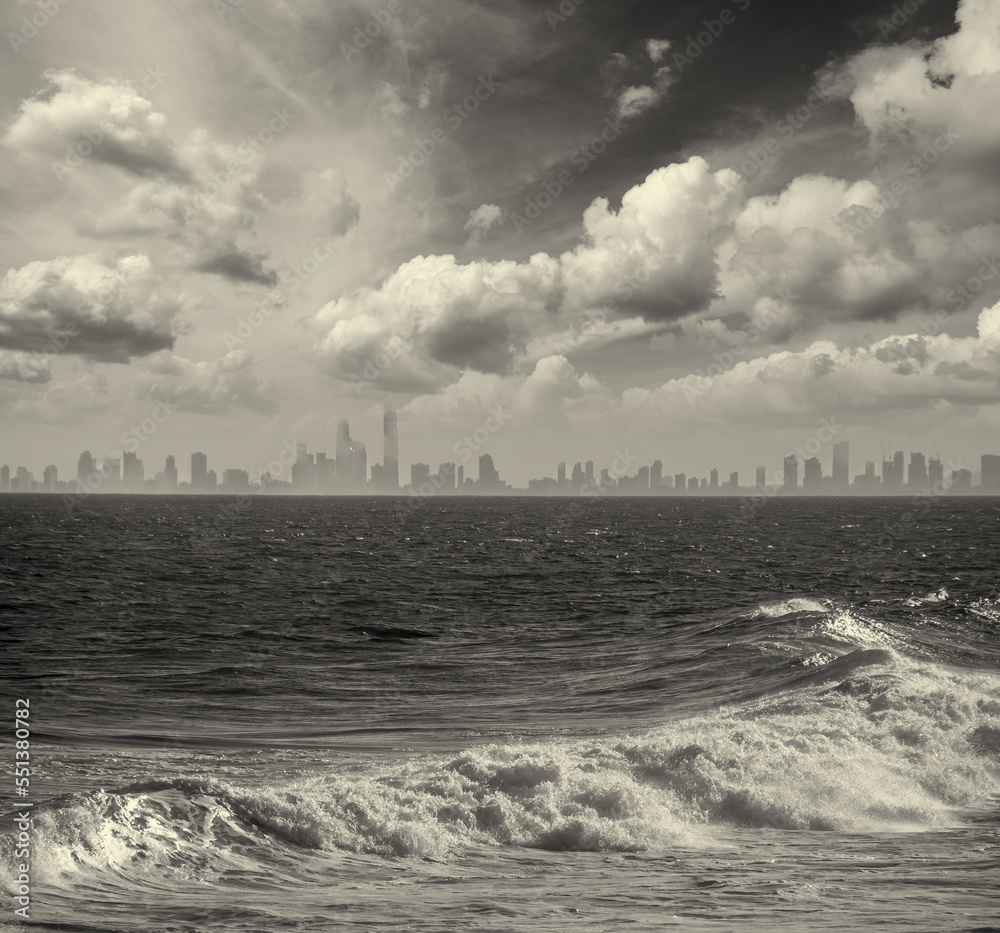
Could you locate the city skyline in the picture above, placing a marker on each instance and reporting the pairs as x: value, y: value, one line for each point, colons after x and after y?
x: 272, y: 221
x: 298, y: 470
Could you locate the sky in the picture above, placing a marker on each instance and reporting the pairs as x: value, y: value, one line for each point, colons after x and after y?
x: 706, y: 233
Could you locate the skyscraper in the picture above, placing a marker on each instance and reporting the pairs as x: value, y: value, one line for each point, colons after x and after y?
x: 791, y: 476
x: 761, y: 481
x: 5, y: 478
x: 680, y: 482
x: 990, y: 473
x: 489, y: 479
x: 50, y: 477
x: 812, y: 476
x: 199, y: 472
x: 935, y: 475
x: 85, y: 467
x: 643, y: 479
x: 420, y: 473
x: 359, y: 466
x: 561, y: 476
x: 713, y: 479
x: 917, y: 479
x: 655, y: 474
x: 841, y: 466
x: 132, y: 473
x: 390, y: 451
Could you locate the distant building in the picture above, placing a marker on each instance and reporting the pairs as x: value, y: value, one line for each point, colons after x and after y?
x: 713, y: 481
x: 132, y: 473
x: 761, y: 480
x: 589, y: 471
x: 680, y: 482
x: 235, y: 481
x: 390, y: 451
x: 961, y: 481
x: 5, y: 478
x: 841, y: 466
x: 791, y: 474
x: 990, y: 477
x: 655, y: 474
x: 917, y: 479
x: 642, y: 480
x: 420, y: 473
x: 199, y: 472
x: 734, y: 481
x: 85, y: 467
x: 489, y: 479
x: 561, y: 476
x: 812, y: 476
x: 935, y: 474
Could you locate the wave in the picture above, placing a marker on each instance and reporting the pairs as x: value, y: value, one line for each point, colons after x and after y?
x: 869, y: 742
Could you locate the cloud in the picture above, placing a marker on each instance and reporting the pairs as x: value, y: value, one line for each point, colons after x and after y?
x: 26, y: 367
x: 61, y: 402
x: 239, y: 265
x: 445, y: 317
x: 481, y: 220
x: 634, y: 101
x: 656, y: 49
x: 107, y: 122
x: 215, y: 387
x: 95, y: 307
x: 909, y: 372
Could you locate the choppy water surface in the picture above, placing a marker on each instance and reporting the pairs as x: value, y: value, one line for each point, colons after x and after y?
x: 326, y: 714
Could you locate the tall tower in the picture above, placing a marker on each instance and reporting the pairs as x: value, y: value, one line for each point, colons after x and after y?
x: 199, y: 472
x: 841, y: 465
x: 390, y: 451
x: 345, y: 462
x: 791, y: 472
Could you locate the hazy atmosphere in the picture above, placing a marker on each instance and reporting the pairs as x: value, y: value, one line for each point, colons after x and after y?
x: 690, y: 232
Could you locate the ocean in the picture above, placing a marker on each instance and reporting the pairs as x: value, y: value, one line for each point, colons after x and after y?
x: 326, y: 714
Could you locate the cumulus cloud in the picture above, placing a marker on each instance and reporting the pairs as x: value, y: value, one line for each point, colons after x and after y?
x: 634, y: 101
x: 108, y: 122
x: 910, y: 372
x: 656, y: 49
x: 26, y: 367
x: 214, y: 387
x: 445, y: 317
x: 93, y: 306
x: 481, y: 220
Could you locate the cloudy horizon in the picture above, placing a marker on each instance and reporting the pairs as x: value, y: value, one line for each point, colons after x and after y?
x: 699, y: 234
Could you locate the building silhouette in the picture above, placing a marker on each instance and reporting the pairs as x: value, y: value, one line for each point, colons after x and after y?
x: 199, y: 472
x: 489, y: 479
x: 390, y: 451
x: 990, y: 473
x: 841, y: 466
x: 791, y: 474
